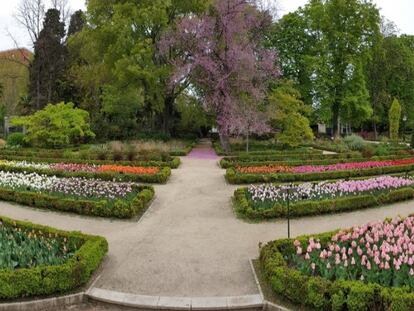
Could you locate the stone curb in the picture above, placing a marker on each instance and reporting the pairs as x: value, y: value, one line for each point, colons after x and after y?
x: 268, y: 306
x: 54, y: 303
x: 250, y: 302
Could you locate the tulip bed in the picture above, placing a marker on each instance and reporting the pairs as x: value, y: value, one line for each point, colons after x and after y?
x: 78, y: 195
x: 228, y: 162
x: 284, y: 173
x: 369, y: 267
x: 37, y: 260
x: 104, y: 171
x: 270, y: 201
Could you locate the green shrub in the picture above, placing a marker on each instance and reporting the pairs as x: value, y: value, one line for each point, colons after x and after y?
x: 56, y: 126
x: 16, y: 140
x: 56, y: 279
x: 354, y: 142
x: 394, y: 116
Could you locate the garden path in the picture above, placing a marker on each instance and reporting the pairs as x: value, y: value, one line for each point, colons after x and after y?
x: 189, y: 242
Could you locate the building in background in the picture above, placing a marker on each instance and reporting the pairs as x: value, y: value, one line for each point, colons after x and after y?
x: 14, y: 77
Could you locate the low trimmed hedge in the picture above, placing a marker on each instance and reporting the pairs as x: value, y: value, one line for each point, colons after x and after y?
x: 322, y: 294
x: 233, y: 162
x: 318, y: 207
x: 160, y: 177
x: 234, y: 177
x: 183, y: 152
x: 173, y: 163
x: 59, y: 279
x: 262, y: 159
x: 261, y: 148
x: 83, y: 154
x: 121, y: 208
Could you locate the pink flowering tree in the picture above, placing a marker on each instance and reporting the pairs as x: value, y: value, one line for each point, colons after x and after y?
x: 222, y: 54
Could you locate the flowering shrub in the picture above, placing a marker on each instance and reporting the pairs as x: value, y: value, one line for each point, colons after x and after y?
x: 267, y: 194
x: 79, y: 187
x: 272, y: 169
x: 379, y: 252
x: 21, y: 249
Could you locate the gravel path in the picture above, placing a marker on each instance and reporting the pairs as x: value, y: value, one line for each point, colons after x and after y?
x: 189, y: 243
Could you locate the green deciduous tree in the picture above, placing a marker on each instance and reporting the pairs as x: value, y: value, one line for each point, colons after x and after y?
x: 390, y: 74
x: 323, y: 45
x: 394, y: 119
x: 56, y: 126
x: 288, y: 114
x: 125, y: 81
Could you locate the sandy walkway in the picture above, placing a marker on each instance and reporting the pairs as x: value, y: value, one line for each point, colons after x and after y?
x: 189, y: 243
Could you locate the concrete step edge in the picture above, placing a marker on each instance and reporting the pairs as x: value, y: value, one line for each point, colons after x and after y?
x: 176, y: 303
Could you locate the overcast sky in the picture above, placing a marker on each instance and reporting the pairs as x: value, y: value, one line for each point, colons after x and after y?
x: 399, y: 11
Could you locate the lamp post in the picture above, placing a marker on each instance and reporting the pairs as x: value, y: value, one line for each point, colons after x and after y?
x: 288, y: 191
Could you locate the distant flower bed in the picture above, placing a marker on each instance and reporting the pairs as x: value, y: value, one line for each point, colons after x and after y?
x: 268, y: 194
x: 79, y: 187
x: 20, y: 249
x: 274, y: 169
x: 379, y: 252
x: 89, y: 168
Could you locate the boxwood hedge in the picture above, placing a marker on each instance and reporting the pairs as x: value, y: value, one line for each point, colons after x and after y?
x: 161, y: 177
x: 322, y: 294
x: 262, y: 148
x: 244, y: 207
x: 323, y: 160
x: 121, y: 208
x: 235, y: 177
x: 48, y: 280
x: 173, y: 162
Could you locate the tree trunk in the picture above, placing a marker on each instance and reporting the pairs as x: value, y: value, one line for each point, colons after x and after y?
x: 375, y: 130
x: 168, y: 114
x: 336, y: 123
x: 224, y: 141
x: 247, y: 142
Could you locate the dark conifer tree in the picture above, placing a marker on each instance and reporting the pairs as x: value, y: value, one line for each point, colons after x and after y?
x: 48, y: 64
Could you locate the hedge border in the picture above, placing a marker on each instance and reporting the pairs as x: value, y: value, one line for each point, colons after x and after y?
x: 267, y: 151
x: 174, y: 163
x: 261, y: 159
x: 322, y: 294
x: 161, y: 177
x: 121, y: 208
x: 230, y: 162
x: 234, y: 177
x: 245, y: 209
x: 58, y: 279
x: 183, y: 152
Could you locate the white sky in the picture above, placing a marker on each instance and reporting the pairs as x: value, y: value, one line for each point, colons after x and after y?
x: 398, y: 11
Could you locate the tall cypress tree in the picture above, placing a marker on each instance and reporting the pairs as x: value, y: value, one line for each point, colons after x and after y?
x: 48, y: 64
x: 77, y: 21
x: 68, y: 90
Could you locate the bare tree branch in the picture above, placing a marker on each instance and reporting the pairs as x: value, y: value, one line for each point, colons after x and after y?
x: 64, y: 9
x: 29, y: 15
